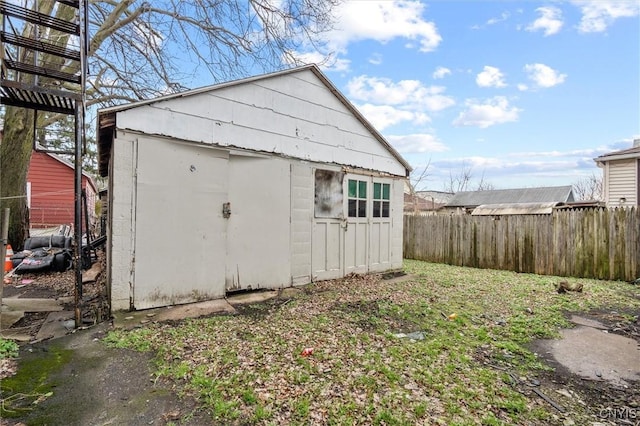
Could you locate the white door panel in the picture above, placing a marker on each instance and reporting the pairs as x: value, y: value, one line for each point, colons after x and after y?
x: 180, y: 234
x: 328, y: 239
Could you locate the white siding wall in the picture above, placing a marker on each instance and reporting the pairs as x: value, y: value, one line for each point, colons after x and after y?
x: 294, y: 114
x: 622, y: 182
x: 302, y: 196
x: 122, y: 226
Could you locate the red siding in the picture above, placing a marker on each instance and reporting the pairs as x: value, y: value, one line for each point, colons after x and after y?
x: 52, y: 191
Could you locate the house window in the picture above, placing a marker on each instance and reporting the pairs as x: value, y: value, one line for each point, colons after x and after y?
x: 357, y: 198
x: 381, y: 197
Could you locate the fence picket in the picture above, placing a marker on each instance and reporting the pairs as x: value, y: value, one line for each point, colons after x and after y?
x: 589, y: 243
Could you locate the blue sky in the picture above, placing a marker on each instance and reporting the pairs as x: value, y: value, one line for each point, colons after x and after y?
x: 521, y: 93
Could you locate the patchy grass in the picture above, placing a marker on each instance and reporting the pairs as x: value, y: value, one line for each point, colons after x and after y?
x: 250, y: 368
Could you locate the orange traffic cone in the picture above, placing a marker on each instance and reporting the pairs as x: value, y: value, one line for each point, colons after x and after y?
x: 8, y: 264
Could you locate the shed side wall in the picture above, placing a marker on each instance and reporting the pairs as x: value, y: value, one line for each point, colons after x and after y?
x: 301, y: 220
x: 122, y: 220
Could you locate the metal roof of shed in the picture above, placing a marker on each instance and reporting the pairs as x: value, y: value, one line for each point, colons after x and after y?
x: 514, y: 209
x: 550, y: 194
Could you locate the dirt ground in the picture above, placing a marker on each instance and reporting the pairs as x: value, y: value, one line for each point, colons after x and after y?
x: 101, y: 386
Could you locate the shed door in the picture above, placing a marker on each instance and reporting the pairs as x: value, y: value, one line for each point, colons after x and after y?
x: 180, y: 234
x: 357, y: 212
x: 355, y: 237
x: 380, y: 225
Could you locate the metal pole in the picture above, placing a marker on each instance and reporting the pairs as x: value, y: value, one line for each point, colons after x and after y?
x: 79, y: 134
x: 3, y: 252
x: 77, y: 223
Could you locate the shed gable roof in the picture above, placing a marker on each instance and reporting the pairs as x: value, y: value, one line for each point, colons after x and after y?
x: 551, y: 194
x: 107, y: 117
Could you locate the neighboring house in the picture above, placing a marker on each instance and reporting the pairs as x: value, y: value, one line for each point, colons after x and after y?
x: 265, y: 182
x: 426, y: 201
x: 511, y: 201
x: 51, y: 193
x: 621, y: 172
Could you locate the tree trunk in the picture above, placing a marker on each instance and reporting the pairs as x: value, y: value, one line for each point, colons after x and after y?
x: 15, y: 153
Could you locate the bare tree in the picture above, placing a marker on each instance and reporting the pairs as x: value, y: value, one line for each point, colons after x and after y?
x: 463, y: 181
x: 141, y: 49
x: 460, y: 180
x: 589, y: 188
x: 484, y: 185
x: 417, y: 178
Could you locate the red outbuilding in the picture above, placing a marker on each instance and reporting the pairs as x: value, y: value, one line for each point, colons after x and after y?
x: 50, y: 191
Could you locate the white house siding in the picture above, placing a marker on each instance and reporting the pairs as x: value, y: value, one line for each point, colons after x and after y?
x: 622, y: 178
x: 258, y: 234
x: 294, y: 115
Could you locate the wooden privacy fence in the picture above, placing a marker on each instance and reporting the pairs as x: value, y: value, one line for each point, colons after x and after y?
x: 587, y: 243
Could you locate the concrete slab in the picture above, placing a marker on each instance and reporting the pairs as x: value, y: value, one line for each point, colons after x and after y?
x: 8, y: 318
x: 17, y: 335
x: 91, y: 274
x: 31, y: 305
x: 56, y: 325
x: 596, y: 355
x: 252, y: 297
x: 588, y: 322
x: 129, y: 320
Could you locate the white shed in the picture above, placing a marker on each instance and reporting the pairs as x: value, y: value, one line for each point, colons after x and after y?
x: 265, y: 182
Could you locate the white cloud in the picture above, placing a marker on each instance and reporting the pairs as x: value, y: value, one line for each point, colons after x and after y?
x: 523, y: 87
x: 598, y: 15
x: 490, y: 77
x: 416, y: 143
x: 330, y: 63
x: 503, y: 17
x: 375, y: 59
x: 411, y: 94
x: 383, y: 116
x: 544, y: 76
x: 488, y: 113
x: 383, y: 20
x: 492, y: 21
x: 550, y: 20
x: 441, y: 72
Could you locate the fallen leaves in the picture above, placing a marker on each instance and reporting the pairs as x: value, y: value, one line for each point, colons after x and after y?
x: 329, y: 353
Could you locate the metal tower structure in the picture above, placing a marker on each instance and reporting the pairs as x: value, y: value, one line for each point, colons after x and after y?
x: 43, y: 67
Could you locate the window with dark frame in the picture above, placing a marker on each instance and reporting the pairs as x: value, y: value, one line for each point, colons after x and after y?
x: 381, y: 197
x: 357, y: 198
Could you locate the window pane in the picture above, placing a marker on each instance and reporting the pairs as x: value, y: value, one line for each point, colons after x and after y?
x: 352, y: 208
x: 376, y: 209
x: 376, y: 191
x: 386, y: 189
x: 362, y: 208
x: 385, y: 209
x: 353, y: 186
x: 362, y: 189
